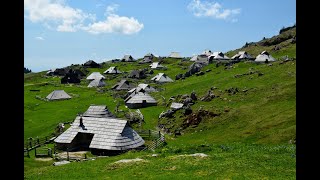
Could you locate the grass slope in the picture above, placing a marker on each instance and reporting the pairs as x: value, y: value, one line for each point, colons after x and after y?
x: 248, y: 139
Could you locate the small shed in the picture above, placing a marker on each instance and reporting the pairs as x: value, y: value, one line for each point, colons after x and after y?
x: 112, y: 70
x: 95, y: 75
x: 218, y: 56
x: 127, y: 58
x: 138, y: 74
x: 123, y: 85
x: 156, y: 65
x: 97, y: 83
x: 91, y: 64
x: 142, y: 88
x: 264, y: 56
x: 140, y: 100
x: 241, y: 55
x: 58, y: 95
x: 161, y: 78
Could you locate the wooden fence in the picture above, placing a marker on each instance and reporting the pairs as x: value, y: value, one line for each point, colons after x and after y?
x: 34, y: 143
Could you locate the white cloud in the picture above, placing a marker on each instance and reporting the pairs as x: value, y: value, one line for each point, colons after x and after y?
x: 39, y: 38
x: 55, y: 14
x: 117, y: 24
x: 111, y: 9
x: 212, y: 9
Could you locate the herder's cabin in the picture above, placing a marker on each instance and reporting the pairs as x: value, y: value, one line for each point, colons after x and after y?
x: 58, y: 95
x: 103, y: 136
x: 161, y: 78
x: 123, y: 85
x: 95, y: 75
x: 140, y: 100
x: 264, y: 56
x: 112, y: 70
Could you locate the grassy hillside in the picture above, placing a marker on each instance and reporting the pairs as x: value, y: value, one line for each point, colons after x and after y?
x: 246, y: 133
x: 278, y: 45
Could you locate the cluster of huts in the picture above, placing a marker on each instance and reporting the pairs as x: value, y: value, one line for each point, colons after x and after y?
x: 208, y: 56
x: 97, y: 129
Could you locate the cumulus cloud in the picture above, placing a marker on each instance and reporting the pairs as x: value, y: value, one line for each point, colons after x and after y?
x: 115, y: 23
x: 112, y: 9
x: 39, y: 38
x: 212, y: 9
x: 55, y: 14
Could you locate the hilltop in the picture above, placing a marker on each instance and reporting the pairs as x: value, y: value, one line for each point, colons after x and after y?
x: 279, y: 45
x: 248, y: 127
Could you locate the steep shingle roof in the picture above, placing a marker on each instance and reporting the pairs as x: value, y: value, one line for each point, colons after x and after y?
x: 95, y: 75
x: 58, y: 94
x: 108, y: 133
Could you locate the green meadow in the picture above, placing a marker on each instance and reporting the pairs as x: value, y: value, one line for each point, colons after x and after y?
x: 249, y: 136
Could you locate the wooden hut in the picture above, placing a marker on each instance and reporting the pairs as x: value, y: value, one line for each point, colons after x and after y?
x: 140, y: 100
x: 101, y: 135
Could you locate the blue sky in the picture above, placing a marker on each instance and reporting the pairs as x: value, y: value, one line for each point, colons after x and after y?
x: 58, y: 33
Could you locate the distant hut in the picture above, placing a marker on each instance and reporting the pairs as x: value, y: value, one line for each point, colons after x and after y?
x: 206, y: 52
x: 138, y: 74
x: 142, y: 88
x: 156, y: 65
x: 91, y: 64
x: 218, y: 56
x: 101, y: 135
x: 175, y: 55
x: 57, y: 72
x: 70, y: 77
x: 140, y: 100
x: 95, y: 75
x: 242, y: 55
x: 123, y: 85
x: 58, y: 95
x: 200, y: 58
x: 127, y: 58
x: 161, y: 78
x: 98, y: 111
x: 264, y: 56
x: 97, y: 83
x: 147, y: 58
x: 112, y: 70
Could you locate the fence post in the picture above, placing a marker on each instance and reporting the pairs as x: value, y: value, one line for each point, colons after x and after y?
x: 35, y: 152
x: 68, y: 154
x: 38, y: 141
x: 30, y: 143
x: 85, y: 156
x: 159, y: 134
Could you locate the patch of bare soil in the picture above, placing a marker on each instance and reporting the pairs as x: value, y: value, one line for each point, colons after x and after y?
x: 43, y: 159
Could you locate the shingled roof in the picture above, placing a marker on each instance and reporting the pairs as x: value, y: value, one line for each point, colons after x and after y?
x: 123, y: 85
x: 263, y: 56
x: 58, y: 95
x: 156, y: 65
x: 108, y: 133
x: 112, y: 70
x: 161, y: 77
x: 98, y: 111
x: 140, y: 99
x: 95, y: 75
x: 242, y: 55
x: 97, y: 83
